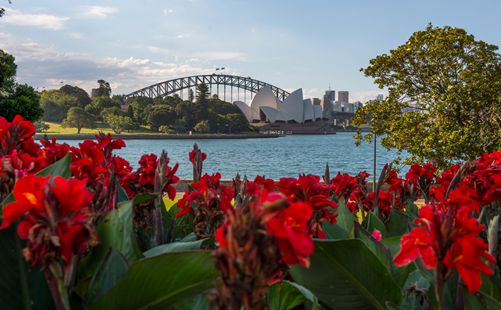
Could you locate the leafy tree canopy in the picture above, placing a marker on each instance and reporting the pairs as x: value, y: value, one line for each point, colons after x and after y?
x: 78, y: 118
x: 16, y: 98
x: 444, y: 90
x: 103, y: 90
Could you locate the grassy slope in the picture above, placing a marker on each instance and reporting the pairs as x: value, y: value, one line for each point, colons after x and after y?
x: 55, y: 128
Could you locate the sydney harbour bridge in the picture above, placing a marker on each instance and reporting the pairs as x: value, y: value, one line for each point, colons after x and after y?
x: 225, y: 86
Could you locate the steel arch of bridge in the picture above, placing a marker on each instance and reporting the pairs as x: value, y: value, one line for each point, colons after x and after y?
x: 172, y: 86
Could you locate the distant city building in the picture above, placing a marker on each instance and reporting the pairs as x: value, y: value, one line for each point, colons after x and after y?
x: 343, y: 96
x: 328, y: 103
x: 380, y: 97
x: 357, y: 105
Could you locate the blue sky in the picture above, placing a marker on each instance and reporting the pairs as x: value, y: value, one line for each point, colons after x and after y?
x: 291, y: 44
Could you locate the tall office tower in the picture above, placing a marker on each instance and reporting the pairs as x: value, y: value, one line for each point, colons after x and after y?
x: 328, y: 103
x: 343, y: 96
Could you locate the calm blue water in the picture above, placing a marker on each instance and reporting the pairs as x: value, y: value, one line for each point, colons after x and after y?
x: 272, y: 157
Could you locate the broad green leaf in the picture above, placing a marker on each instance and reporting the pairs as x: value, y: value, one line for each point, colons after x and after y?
x: 199, y: 302
x: 59, y: 168
x: 480, y: 301
x: 283, y: 296
x: 21, y: 286
x: 345, y: 218
x: 117, y: 231
x: 121, y: 194
x: 345, y: 274
x: 176, y: 247
x: 159, y: 281
x: 374, y: 222
x: 397, y: 225
x: 288, y: 295
x: 112, y: 268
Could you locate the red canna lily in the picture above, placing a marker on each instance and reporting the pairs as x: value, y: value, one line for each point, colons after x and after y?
x: 57, y: 220
x: 289, y: 227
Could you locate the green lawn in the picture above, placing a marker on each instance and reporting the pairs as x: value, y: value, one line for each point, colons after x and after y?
x: 55, y: 128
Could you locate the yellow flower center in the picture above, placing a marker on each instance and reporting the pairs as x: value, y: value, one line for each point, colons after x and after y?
x: 31, y: 198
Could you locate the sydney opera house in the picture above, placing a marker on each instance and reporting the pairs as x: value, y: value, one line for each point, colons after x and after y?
x: 265, y: 107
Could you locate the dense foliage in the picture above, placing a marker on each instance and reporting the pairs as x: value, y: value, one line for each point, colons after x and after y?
x: 16, y: 99
x: 168, y: 115
x: 106, y: 236
x: 444, y: 96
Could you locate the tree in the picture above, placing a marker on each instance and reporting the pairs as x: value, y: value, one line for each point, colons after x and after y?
x: 443, y: 96
x: 100, y: 103
x: 16, y: 98
x: 202, y: 127
x: 56, y: 104
x: 104, y: 90
x: 7, y: 72
x: 117, y: 123
x: 83, y: 98
x: 79, y: 118
x: 161, y: 115
x: 137, y: 106
x: 202, y: 102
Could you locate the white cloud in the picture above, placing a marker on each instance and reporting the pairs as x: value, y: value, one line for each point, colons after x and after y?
x: 98, y: 11
x: 46, y: 67
x: 18, y: 18
x: 76, y: 35
x: 168, y: 11
x: 221, y: 55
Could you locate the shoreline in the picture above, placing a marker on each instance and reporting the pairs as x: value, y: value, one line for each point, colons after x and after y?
x: 159, y: 136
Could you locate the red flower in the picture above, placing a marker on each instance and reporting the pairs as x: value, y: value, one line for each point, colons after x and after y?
x: 57, y: 221
x: 376, y: 234
x: 29, y: 194
x: 466, y: 256
x: 447, y: 233
x: 289, y: 227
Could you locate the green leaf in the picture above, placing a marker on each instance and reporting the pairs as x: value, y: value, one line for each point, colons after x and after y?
x: 283, y: 296
x: 159, y: 281
x: 112, y: 268
x: 288, y: 295
x: 117, y: 231
x: 345, y: 219
x: 176, y: 247
x: 345, y: 274
x: 481, y: 301
x: 397, y: 225
x: 199, y: 302
x: 121, y: 194
x: 59, y: 168
x: 21, y: 286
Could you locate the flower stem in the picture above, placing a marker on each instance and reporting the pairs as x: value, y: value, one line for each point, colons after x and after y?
x: 439, y: 285
x: 55, y: 281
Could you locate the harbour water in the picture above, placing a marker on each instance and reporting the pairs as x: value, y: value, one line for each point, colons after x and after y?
x: 276, y: 157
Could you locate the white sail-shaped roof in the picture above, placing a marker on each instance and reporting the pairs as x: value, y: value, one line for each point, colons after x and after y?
x: 263, y: 98
x: 293, y: 106
x: 246, y: 110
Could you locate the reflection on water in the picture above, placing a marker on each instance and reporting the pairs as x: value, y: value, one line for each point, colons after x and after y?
x: 273, y: 157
